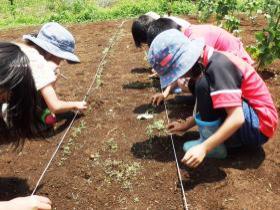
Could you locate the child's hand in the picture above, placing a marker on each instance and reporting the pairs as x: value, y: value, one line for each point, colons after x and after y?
x: 34, y: 202
x: 157, y: 99
x: 81, y: 105
x: 194, y: 156
x: 154, y: 74
x: 176, y: 126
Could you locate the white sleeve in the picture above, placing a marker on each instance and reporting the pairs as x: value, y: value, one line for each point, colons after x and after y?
x: 43, y: 71
x: 183, y: 23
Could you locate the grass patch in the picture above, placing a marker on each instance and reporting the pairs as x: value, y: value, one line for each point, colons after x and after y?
x: 156, y: 128
x: 120, y: 171
x: 30, y: 12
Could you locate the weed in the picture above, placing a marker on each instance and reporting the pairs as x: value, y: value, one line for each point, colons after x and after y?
x: 120, y: 171
x: 78, y: 130
x: 66, y: 151
x: 111, y: 145
x: 98, y: 80
x: 158, y: 126
x: 136, y: 200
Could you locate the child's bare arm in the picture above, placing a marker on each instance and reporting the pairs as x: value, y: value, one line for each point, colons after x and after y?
x: 159, y: 97
x: 59, y: 106
x: 27, y: 203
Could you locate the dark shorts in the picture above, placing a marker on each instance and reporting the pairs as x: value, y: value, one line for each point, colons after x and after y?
x: 249, y: 134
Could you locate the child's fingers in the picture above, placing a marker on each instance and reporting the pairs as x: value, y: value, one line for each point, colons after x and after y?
x: 159, y: 100
x: 153, y: 100
x: 191, y: 162
x: 171, y: 126
x: 186, y: 157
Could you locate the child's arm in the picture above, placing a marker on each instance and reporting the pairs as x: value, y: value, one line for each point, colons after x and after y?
x: 27, y: 203
x: 58, y: 106
x: 233, y: 121
x: 159, y: 97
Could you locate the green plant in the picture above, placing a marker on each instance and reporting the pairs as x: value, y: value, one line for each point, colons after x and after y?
x: 267, y: 47
x: 205, y: 9
x: 157, y: 125
x: 78, y: 130
x: 231, y: 23
x: 251, y: 6
x: 121, y: 171
x: 111, y: 145
x: 225, y: 7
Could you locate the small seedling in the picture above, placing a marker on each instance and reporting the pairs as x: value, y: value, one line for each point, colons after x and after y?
x: 121, y: 172
x: 78, y: 130
x: 111, y: 145
x: 158, y: 126
x: 98, y: 80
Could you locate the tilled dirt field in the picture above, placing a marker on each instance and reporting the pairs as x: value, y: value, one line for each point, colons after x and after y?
x: 111, y: 160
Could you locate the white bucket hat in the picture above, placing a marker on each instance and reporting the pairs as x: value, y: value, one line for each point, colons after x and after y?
x: 56, y: 40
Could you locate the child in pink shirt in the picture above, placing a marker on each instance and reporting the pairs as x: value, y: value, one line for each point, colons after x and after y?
x: 219, y: 39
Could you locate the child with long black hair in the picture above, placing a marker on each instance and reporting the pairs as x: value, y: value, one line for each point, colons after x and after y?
x: 18, y: 91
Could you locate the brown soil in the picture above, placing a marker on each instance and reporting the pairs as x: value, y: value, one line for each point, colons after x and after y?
x: 108, y: 161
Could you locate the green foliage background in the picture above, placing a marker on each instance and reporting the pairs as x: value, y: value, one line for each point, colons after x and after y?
x: 30, y: 12
x: 35, y: 12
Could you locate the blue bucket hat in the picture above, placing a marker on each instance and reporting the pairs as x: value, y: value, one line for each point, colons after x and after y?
x: 56, y: 40
x: 172, y: 55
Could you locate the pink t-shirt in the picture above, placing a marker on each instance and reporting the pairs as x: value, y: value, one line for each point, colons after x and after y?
x: 219, y: 39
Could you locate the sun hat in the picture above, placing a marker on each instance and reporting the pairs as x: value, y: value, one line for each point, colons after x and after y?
x: 172, y: 55
x: 56, y: 40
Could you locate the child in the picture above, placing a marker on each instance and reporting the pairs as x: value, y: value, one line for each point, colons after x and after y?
x: 214, y: 36
x: 141, y: 25
x: 16, y: 83
x: 46, y: 51
x: 235, y: 108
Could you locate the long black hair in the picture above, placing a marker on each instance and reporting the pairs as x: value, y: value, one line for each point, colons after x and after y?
x: 158, y: 26
x: 16, y: 78
x: 140, y: 28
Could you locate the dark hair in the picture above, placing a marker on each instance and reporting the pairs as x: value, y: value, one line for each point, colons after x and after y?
x: 196, y: 70
x: 158, y: 26
x: 16, y: 77
x: 140, y: 28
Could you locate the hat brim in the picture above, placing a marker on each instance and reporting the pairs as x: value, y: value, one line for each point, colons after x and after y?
x: 52, y: 49
x: 184, y: 63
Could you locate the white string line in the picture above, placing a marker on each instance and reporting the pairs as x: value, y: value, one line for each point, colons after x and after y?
x: 102, y: 60
x: 176, y: 160
x: 76, y: 113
